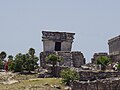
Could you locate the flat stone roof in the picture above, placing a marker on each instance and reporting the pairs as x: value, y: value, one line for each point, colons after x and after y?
x: 114, y: 39
x: 60, y: 36
x: 57, y: 32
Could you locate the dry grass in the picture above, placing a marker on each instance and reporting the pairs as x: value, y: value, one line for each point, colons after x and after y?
x: 30, y: 82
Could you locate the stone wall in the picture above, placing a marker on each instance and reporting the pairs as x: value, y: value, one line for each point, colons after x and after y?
x: 70, y: 59
x: 50, y: 38
x: 103, y: 84
x: 78, y: 59
x: 114, y: 45
x: 93, y: 75
x: 97, y: 80
x: 96, y: 56
x: 115, y: 57
x: 114, y: 49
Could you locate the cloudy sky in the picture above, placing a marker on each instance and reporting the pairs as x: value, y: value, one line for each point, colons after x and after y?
x: 93, y: 21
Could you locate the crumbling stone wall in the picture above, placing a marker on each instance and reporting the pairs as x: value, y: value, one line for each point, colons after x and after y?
x: 103, y: 84
x: 96, y: 56
x: 114, y: 45
x: 115, y: 57
x: 114, y: 49
x: 97, y: 80
x: 70, y: 59
x: 78, y: 59
x: 93, y: 75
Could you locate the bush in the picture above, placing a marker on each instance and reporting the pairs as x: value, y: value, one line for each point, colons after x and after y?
x: 103, y: 61
x: 11, y: 65
x: 118, y: 67
x: 69, y: 76
x: 1, y: 64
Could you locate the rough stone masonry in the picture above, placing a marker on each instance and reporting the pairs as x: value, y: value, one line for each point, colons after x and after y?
x: 114, y: 49
x: 60, y: 43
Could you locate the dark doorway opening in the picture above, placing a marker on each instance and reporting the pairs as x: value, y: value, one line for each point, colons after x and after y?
x: 57, y: 46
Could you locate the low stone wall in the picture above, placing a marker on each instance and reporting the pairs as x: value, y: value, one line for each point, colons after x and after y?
x: 103, y: 84
x: 93, y: 75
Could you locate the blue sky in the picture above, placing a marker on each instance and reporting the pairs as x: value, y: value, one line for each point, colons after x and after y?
x: 93, y: 21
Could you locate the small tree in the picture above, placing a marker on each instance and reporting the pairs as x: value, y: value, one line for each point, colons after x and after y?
x: 3, y: 55
x: 2, y: 58
x: 10, y: 58
x: 31, y: 60
x: 18, y: 67
x: 103, y: 61
x: 11, y: 63
x: 30, y: 63
x: 1, y: 64
x: 31, y: 52
x: 54, y: 59
x: 69, y: 76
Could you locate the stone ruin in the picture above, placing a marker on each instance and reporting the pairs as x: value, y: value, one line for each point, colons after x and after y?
x: 114, y: 49
x: 97, y: 55
x: 60, y: 43
x: 101, y: 80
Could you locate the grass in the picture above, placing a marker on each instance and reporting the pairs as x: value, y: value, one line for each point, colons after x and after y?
x: 30, y: 82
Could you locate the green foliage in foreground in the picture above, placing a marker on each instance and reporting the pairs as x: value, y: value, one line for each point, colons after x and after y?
x: 69, y: 76
x: 103, y: 61
x: 53, y: 59
x: 118, y: 67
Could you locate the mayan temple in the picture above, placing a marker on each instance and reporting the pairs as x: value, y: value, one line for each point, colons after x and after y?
x: 60, y: 43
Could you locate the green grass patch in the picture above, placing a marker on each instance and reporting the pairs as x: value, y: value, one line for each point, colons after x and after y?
x: 35, y: 84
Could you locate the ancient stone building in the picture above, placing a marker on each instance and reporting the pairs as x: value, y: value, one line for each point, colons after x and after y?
x: 60, y: 43
x: 114, y: 48
x: 57, y: 41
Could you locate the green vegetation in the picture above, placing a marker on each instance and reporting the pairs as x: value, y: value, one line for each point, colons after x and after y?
x: 27, y: 62
x: 21, y: 62
x: 54, y: 59
x: 1, y: 64
x: 69, y: 76
x: 103, y: 61
x: 118, y: 67
x: 2, y: 57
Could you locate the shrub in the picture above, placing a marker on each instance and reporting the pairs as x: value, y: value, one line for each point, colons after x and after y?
x: 1, y: 64
x: 118, y: 67
x: 69, y: 76
x: 11, y: 65
x: 53, y: 59
x: 103, y: 61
